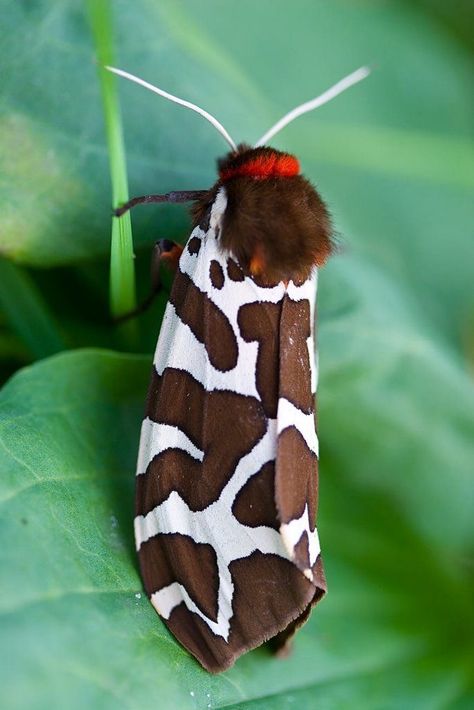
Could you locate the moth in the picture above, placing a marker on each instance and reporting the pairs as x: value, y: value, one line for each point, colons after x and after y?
x: 227, y: 472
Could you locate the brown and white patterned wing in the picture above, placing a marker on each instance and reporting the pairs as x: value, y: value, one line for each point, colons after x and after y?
x: 297, y: 448
x: 217, y: 563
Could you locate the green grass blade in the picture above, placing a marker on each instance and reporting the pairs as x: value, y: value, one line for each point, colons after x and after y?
x: 122, y: 271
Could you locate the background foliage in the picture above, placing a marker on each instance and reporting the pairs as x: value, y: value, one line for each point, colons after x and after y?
x: 393, y: 158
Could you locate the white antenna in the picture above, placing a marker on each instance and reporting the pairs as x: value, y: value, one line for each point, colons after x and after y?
x: 338, y: 88
x: 177, y: 100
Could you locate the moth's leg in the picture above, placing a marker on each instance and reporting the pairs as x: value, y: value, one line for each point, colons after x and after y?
x: 175, y: 196
x: 170, y: 255
x: 164, y: 252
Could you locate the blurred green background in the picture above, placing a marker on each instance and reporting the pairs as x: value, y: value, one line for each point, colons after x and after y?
x: 393, y: 158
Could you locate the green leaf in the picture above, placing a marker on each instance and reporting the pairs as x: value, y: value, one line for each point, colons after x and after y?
x: 394, y: 521
x: 122, y: 274
x: 392, y: 156
x: 396, y: 335
x: 28, y: 315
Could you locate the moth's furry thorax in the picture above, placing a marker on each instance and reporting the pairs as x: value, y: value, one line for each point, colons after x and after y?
x: 275, y: 222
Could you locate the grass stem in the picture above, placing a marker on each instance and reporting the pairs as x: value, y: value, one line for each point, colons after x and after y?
x: 122, y: 269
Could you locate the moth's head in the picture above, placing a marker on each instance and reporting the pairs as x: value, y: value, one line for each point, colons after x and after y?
x: 275, y: 223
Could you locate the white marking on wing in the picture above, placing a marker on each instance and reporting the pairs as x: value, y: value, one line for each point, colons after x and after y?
x: 265, y: 450
x: 156, y: 438
x: 166, y: 599
x: 291, y: 533
x: 181, y: 350
x: 214, y: 525
x: 289, y: 415
x: 218, y: 208
x: 231, y: 541
x: 234, y: 294
x: 306, y: 290
x: 313, y: 363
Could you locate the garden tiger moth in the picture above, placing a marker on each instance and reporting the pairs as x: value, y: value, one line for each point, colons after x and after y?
x: 226, y: 486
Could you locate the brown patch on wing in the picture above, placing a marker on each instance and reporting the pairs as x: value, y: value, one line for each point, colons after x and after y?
x: 296, y: 482
x: 212, y: 652
x: 269, y: 591
x: 318, y: 574
x: 298, y: 280
x: 234, y: 272
x: 295, y: 369
x: 153, y: 394
x: 254, y: 504
x: 282, y: 642
x: 216, y: 274
x: 173, y: 469
x: 261, y: 322
x: 263, y: 281
x: 208, y: 323
x: 168, y: 558
x: 194, y: 245
x: 302, y: 550
x: 223, y: 424
x: 270, y: 595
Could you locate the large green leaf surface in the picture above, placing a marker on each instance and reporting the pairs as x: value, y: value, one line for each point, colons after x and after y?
x: 393, y: 158
x: 396, y: 628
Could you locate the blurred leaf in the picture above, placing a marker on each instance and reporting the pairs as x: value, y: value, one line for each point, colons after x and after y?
x: 75, y: 300
x: 458, y: 16
x: 396, y: 328
x: 394, y: 518
x: 393, y: 156
x: 27, y: 313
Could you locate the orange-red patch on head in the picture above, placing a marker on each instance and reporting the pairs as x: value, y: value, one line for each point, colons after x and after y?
x: 264, y: 166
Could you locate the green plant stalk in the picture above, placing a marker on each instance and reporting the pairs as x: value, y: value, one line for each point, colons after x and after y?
x: 27, y: 313
x: 122, y: 270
